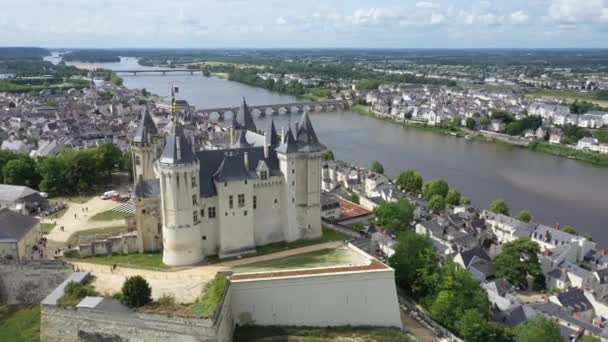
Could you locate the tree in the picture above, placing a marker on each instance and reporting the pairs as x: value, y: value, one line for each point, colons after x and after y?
x: 524, y: 215
x: 471, y: 123
x: 394, y: 215
x: 412, y: 253
x: 22, y: 171
x: 136, y: 292
x: 436, y: 187
x: 453, y: 197
x: 538, y: 329
x: 473, y: 327
x: 437, y: 204
x: 465, y: 200
x: 499, y: 206
x: 109, y: 157
x: 328, y: 155
x: 518, y: 260
x: 377, y: 167
x: 410, y: 181
x: 569, y: 229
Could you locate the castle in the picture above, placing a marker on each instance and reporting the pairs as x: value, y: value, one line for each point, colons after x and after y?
x: 256, y: 189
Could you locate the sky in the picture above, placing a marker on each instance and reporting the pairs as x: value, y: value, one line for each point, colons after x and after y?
x: 305, y: 24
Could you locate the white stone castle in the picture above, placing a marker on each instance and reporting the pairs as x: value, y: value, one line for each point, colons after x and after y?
x: 258, y: 189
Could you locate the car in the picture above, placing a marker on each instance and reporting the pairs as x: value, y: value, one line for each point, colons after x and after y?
x: 109, y: 194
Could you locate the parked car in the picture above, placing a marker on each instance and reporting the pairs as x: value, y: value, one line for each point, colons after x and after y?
x: 109, y: 194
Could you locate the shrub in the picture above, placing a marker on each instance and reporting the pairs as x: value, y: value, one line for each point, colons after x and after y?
x: 136, y: 292
x: 74, y: 292
x: 207, y: 304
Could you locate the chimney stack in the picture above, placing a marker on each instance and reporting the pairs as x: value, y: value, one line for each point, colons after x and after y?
x: 283, y: 135
x: 246, y: 158
x: 265, y: 145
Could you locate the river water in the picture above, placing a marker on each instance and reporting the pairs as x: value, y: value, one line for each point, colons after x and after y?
x: 555, y: 190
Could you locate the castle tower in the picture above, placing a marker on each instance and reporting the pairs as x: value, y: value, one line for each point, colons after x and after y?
x: 144, y: 148
x: 242, y: 121
x: 300, y: 162
x: 179, y: 185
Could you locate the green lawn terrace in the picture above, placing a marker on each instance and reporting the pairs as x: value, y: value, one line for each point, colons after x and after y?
x: 326, y: 258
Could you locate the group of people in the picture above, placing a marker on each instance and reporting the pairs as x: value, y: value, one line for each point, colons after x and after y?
x: 39, y: 248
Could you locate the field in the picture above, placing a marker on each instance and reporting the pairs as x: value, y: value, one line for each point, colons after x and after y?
x: 569, y: 96
x: 20, y: 323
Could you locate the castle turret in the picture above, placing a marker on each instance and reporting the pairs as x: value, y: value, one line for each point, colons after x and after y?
x: 242, y: 121
x: 144, y: 148
x: 300, y: 162
x: 179, y: 182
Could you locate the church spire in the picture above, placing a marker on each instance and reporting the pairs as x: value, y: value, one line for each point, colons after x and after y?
x: 243, y: 118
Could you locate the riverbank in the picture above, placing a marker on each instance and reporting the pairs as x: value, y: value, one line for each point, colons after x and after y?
x: 496, y: 138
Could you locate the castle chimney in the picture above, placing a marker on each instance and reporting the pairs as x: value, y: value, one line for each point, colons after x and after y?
x: 283, y: 135
x: 265, y: 145
x: 246, y: 158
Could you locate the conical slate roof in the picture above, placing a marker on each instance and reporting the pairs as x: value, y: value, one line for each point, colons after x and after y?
x: 178, y: 149
x: 274, y: 137
x: 242, y: 143
x: 243, y: 118
x: 145, y: 129
x: 306, y: 136
x: 290, y: 145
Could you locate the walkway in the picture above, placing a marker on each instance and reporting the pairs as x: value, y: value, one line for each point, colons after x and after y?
x: 75, y: 219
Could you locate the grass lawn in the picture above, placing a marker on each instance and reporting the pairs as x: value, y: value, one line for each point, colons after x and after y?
x: 322, y: 258
x: 97, y: 231
x: 46, y: 227
x: 150, y: 261
x: 569, y: 95
x: 109, y: 216
x: 20, y: 323
x: 252, y: 333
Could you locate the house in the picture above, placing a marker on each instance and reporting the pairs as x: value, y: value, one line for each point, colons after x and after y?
x: 506, y: 228
x: 15, y: 145
x: 587, y: 143
x: 330, y: 207
x: 446, y: 238
x: 555, y: 137
x: 575, y: 300
x: 21, y: 199
x: 575, y: 247
x: 498, y: 126
x: 500, y: 293
x: 18, y: 235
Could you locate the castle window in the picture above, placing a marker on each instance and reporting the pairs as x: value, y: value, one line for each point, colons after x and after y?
x: 225, y: 184
x: 293, y: 200
x: 255, y: 202
x: 245, y: 213
x: 195, y: 216
x: 202, y: 212
x: 230, y: 201
x: 194, y: 200
x: 276, y: 201
x: 193, y: 181
x: 241, y: 200
x: 245, y: 182
x: 137, y: 160
x: 211, y: 212
x: 293, y: 183
x: 263, y: 175
x: 293, y: 170
x: 204, y: 237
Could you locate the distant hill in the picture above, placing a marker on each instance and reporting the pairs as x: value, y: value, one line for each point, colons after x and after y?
x: 22, y: 52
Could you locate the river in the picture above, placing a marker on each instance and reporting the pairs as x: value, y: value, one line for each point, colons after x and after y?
x: 555, y: 190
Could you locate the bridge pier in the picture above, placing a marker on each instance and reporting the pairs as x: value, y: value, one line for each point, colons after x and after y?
x: 221, y: 116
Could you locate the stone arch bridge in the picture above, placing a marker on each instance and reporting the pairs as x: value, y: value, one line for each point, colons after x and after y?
x: 286, y: 108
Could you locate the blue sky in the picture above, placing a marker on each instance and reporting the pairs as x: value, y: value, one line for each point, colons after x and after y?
x: 310, y: 23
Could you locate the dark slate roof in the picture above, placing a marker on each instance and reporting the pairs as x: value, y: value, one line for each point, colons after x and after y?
x: 148, y: 188
x: 290, y: 145
x: 104, y: 304
x: 14, y: 226
x: 513, y: 316
x: 274, y: 137
x: 178, y: 149
x: 146, y: 128
x: 220, y: 164
x: 243, y: 118
x: 306, y: 137
x: 468, y: 255
x: 242, y: 143
x: 575, y: 299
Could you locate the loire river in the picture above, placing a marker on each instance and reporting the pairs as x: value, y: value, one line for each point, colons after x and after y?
x: 556, y: 190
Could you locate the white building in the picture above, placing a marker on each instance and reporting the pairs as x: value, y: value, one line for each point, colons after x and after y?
x: 258, y: 190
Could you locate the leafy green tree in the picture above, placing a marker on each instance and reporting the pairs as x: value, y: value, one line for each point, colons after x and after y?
x: 436, y: 187
x: 518, y: 260
x: 453, y: 197
x: 499, y: 206
x: 328, y: 155
x: 473, y: 327
x: 412, y: 253
x: 136, y: 292
x: 394, y: 215
x: 22, y: 171
x: 524, y: 215
x: 377, y: 167
x: 54, y: 173
x: 485, y: 122
x: 471, y: 123
x: 538, y: 329
x: 569, y: 229
x: 410, y: 181
x: 437, y: 204
x: 110, y: 158
x: 354, y: 198
x: 465, y: 200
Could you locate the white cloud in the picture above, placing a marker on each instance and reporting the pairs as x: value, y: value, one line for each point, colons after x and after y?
x: 436, y: 18
x: 281, y: 21
x: 575, y: 11
x: 427, y: 5
x: 518, y: 18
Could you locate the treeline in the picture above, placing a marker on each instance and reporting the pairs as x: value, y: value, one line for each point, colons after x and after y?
x: 250, y: 77
x: 22, y: 52
x: 92, y: 56
x: 71, y: 172
x: 38, y: 67
x: 13, y: 87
